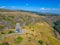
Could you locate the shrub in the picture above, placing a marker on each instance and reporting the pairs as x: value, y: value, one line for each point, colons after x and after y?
x: 46, y: 44
x: 19, y: 39
x: 41, y: 42
x: 2, y: 33
x: 29, y: 37
x: 10, y: 32
x: 5, y: 43
x: 29, y: 40
x: 26, y: 33
x: 32, y: 30
x: 1, y: 28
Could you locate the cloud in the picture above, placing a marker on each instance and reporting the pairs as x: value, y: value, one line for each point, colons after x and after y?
x: 42, y: 9
x: 9, y: 7
x: 2, y: 6
x: 49, y: 9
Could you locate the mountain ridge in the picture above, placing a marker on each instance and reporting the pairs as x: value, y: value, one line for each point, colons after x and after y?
x: 38, y: 28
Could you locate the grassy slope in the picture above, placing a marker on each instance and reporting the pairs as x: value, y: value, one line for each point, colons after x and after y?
x: 34, y: 31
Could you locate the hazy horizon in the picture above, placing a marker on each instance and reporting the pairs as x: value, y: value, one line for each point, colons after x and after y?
x: 45, y: 6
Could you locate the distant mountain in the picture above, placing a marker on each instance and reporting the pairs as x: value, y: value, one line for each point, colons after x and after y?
x: 4, y: 10
x: 39, y: 13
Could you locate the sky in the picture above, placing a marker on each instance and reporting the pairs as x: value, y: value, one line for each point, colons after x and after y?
x: 46, y: 6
